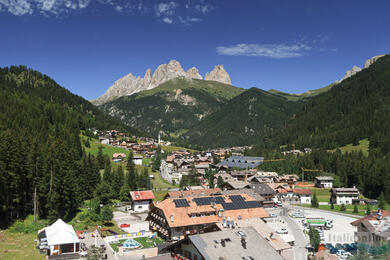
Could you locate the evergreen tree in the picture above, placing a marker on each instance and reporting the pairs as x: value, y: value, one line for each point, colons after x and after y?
x: 107, y: 176
x: 314, y: 201
x: 103, y: 193
x: 107, y: 213
x: 315, y: 238
x: 100, y: 157
x: 131, y: 177
x: 124, y: 194
x: 368, y: 209
x: 381, y: 201
x: 355, y: 209
x: 220, y: 182
x: 157, y: 160
x: 342, y: 208
x: 117, y: 182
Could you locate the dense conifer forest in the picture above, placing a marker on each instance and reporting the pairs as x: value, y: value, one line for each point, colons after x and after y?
x: 41, y: 156
x: 356, y: 109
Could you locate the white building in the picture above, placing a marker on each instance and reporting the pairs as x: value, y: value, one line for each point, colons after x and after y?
x: 324, y: 182
x: 59, y: 239
x: 344, y: 196
x: 140, y: 200
x: 105, y: 141
x: 137, y: 160
x: 303, y: 196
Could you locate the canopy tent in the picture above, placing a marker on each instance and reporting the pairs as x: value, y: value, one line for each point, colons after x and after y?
x: 60, y: 233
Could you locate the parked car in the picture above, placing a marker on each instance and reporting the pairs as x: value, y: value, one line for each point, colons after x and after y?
x: 281, y: 230
x: 343, y: 254
x: 273, y: 215
x: 124, y: 225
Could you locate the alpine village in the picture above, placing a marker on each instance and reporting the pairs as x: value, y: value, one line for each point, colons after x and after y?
x: 171, y: 164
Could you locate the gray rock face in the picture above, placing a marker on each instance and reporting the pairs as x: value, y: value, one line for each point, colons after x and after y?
x: 218, y: 74
x: 369, y: 62
x: 356, y: 69
x: 131, y: 84
x: 349, y: 73
x: 193, y: 73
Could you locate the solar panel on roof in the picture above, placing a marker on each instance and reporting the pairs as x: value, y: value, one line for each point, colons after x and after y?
x: 181, y: 203
x: 208, y: 200
x: 234, y: 198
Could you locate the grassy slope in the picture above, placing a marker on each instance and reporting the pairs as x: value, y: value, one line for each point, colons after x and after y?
x: 307, y: 94
x: 173, y: 107
x: 17, y: 246
x: 212, y: 87
x: 363, y: 146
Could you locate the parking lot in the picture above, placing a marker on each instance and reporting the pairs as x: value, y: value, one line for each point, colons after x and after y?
x: 342, y: 231
x: 136, y: 221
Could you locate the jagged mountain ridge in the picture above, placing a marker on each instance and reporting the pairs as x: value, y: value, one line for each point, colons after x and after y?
x: 130, y: 84
x: 172, y: 107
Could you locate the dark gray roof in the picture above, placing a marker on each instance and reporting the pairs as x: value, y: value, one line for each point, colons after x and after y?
x: 209, y: 245
x: 238, y: 184
x: 243, y: 162
x: 250, y: 192
x: 262, y: 189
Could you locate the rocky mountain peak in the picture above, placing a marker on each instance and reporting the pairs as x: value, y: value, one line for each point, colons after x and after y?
x: 355, y: 69
x: 131, y: 84
x: 369, y: 62
x: 193, y: 73
x: 218, y: 74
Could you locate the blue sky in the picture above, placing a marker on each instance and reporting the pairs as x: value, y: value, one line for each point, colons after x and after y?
x: 293, y: 46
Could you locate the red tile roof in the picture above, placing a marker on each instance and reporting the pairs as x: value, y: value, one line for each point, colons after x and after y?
x: 141, y: 195
x: 302, y: 191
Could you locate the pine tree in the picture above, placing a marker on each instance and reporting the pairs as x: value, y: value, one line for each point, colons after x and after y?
x: 368, y: 209
x: 131, y: 177
x: 100, y: 157
x: 355, y: 209
x: 220, y: 182
x: 381, y: 201
x: 107, y: 176
x: 314, y: 201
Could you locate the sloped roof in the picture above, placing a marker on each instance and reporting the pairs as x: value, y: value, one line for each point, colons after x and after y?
x: 302, y: 191
x: 238, y: 184
x: 193, y: 193
x: 372, y: 216
x: 210, y: 247
x: 182, y: 215
x: 142, y: 195
x: 324, y: 178
x: 60, y: 233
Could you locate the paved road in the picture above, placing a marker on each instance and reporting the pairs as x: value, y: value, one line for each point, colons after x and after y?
x: 165, y: 172
x: 300, y: 251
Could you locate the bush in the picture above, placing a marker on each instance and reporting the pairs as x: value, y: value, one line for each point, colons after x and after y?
x: 27, y: 225
x: 342, y: 208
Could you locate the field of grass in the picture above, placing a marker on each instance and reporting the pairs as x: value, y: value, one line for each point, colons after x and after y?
x: 107, y: 149
x: 363, y: 146
x: 170, y: 149
x: 349, y: 209
x: 323, y: 195
x: 15, y: 246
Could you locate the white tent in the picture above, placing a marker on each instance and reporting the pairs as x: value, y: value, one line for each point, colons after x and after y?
x: 61, y: 233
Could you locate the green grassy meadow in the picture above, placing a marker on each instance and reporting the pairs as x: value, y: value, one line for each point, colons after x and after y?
x: 363, y: 146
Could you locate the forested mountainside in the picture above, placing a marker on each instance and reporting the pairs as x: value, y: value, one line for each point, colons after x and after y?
x: 243, y: 120
x: 355, y: 109
x: 173, y: 107
x: 40, y: 149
